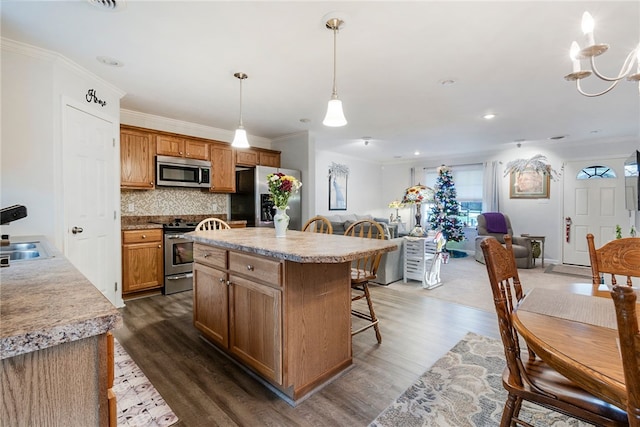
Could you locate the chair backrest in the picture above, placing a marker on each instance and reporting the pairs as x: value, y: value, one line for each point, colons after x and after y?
x: 212, y: 224
x: 507, y: 291
x: 624, y: 299
x: 367, y: 267
x: 619, y: 257
x: 484, y: 231
x: 318, y: 224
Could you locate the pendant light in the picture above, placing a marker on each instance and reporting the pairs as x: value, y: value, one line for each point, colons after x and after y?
x: 335, y: 115
x: 240, y: 139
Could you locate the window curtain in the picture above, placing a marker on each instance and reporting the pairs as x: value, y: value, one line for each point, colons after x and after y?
x: 491, y: 188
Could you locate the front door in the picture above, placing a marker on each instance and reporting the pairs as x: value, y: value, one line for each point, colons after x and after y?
x: 89, y: 164
x: 592, y: 205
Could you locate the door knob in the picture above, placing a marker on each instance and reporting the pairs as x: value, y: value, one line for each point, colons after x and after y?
x: 76, y: 230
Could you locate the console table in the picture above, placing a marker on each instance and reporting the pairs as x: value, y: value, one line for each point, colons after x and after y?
x: 539, y: 239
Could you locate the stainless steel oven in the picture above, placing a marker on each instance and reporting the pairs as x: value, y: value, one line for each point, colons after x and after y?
x: 178, y: 258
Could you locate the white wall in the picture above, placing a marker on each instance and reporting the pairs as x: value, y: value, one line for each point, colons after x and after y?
x: 297, y: 153
x: 364, y: 185
x: 34, y: 83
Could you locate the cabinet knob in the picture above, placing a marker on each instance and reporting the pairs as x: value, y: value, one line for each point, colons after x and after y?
x: 151, y: 183
x: 221, y: 280
x: 205, y: 256
x: 144, y: 236
x: 250, y: 267
x: 181, y: 153
x: 160, y: 246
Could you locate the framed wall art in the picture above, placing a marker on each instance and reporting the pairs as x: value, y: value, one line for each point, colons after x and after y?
x: 338, y: 175
x: 529, y: 184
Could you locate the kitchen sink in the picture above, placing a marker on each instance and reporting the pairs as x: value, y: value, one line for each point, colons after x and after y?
x: 24, y: 251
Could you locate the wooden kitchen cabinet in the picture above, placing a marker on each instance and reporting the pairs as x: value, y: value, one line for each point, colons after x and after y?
x: 223, y: 176
x: 240, y: 308
x: 142, y: 261
x: 168, y: 145
x: 137, y: 163
x: 257, y: 157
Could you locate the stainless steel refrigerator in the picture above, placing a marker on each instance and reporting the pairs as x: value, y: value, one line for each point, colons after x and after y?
x: 251, y: 201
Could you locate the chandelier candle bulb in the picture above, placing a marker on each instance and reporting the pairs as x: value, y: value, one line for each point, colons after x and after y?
x: 587, y: 28
x: 573, y: 53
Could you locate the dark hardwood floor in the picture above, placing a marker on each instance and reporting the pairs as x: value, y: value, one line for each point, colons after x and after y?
x: 204, y: 388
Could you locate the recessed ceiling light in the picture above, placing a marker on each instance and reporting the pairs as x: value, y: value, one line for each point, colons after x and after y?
x: 557, y: 137
x: 108, y: 5
x: 112, y: 62
x: 416, y: 153
x: 305, y: 120
x: 595, y: 131
x: 489, y: 116
x: 447, y: 82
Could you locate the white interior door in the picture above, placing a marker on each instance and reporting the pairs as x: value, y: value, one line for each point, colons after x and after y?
x: 594, y: 205
x: 89, y: 198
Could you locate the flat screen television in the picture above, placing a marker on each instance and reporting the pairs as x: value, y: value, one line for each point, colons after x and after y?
x: 632, y: 181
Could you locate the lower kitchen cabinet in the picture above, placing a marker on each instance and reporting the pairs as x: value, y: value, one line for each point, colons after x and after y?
x: 240, y: 308
x: 211, y: 303
x: 142, y: 261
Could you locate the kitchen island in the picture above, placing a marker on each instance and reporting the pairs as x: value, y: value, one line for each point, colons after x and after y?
x: 280, y: 307
x: 53, y: 345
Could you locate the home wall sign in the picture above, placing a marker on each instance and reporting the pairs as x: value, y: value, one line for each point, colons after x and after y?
x: 91, y: 96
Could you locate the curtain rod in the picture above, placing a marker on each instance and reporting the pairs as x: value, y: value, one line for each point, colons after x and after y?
x: 465, y: 164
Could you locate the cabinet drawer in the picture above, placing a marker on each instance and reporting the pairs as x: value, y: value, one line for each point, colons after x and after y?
x: 208, y: 255
x: 264, y: 269
x: 141, y: 236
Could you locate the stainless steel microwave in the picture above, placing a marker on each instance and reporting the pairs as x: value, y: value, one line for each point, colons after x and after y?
x: 179, y: 172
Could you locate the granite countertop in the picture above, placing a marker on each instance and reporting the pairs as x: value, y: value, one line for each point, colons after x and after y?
x: 47, y: 302
x: 297, y: 246
x: 155, y: 222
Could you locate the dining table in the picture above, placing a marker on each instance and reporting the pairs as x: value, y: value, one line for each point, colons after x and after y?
x: 577, y: 336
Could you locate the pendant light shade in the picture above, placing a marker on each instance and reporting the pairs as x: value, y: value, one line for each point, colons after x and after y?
x: 240, y: 139
x: 335, y: 115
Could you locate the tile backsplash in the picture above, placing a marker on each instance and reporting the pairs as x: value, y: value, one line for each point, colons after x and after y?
x: 171, y: 201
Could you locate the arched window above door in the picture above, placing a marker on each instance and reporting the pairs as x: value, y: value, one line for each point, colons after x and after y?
x: 596, y: 172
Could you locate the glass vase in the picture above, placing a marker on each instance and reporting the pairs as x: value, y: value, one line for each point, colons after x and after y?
x: 281, y: 221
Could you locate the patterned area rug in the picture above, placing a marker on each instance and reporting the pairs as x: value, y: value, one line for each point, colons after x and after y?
x: 464, y: 388
x: 139, y: 403
x: 569, y: 270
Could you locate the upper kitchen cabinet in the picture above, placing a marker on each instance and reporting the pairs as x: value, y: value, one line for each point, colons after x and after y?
x: 167, y: 145
x: 137, y: 152
x: 223, y: 177
x: 258, y: 157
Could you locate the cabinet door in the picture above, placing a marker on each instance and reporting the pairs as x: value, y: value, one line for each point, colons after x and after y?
x: 142, y: 266
x: 211, y: 303
x: 246, y: 157
x: 169, y: 146
x: 137, y: 150
x: 269, y: 159
x: 196, y: 149
x: 223, y: 176
x: 256, y: 326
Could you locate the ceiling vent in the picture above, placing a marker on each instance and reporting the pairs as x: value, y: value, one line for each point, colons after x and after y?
x: 108, y: 5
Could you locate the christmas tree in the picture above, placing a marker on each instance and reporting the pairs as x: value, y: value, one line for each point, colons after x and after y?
x: 444, y: 213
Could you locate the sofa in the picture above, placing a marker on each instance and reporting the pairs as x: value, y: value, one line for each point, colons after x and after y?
x: 392, y: 263
x: 522, y: 248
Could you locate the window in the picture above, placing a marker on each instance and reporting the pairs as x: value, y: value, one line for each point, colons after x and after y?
x: 467, y: 180
x: 596, y: 172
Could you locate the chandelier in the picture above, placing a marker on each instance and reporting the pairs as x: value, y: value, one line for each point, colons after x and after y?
x: 590, y: 52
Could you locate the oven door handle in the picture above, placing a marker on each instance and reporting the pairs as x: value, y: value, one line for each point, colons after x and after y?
x: 180, y: 276
x: 175, y: 236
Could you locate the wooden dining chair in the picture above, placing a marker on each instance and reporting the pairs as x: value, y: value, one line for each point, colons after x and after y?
x: 212, y: 224
x: 319, y: 224
x: 620, y: 257
x: 364, y: 270
x: 624, y: 299
x: 532, y: 379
